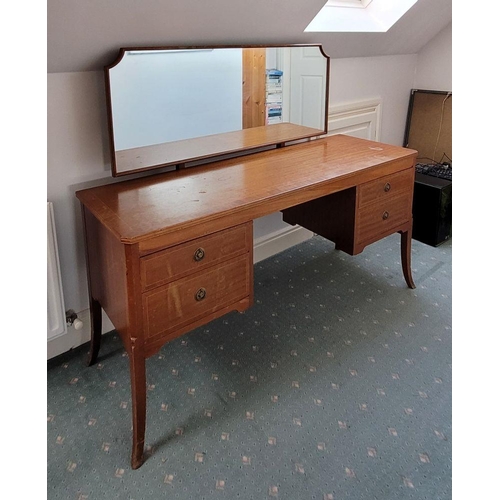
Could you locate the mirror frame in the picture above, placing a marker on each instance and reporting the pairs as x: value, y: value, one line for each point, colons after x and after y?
x: 240, y: 145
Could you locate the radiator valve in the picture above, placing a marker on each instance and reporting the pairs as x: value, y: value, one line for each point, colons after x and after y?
x: 73, y: 320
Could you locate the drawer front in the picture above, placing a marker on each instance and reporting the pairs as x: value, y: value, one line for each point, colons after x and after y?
x: 188, y: 299
x: 386, y: 187
x: 379, y: 219
x: 181, y: 260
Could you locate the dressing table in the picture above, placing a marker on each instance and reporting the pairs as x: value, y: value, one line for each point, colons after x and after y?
x: 169, y: 252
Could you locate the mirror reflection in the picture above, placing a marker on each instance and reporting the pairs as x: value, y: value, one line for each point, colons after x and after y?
x: 170, y: 106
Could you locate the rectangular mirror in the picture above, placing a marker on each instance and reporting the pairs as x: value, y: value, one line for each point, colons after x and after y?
x: 173, y: 105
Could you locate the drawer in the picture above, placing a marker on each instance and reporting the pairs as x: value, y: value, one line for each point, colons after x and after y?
x: 378, y: 219
x: 181, y: 260
x: 190, y: 298
x: 386, y: 187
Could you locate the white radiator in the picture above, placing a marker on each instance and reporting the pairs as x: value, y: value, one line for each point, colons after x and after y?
x: 56, y: 315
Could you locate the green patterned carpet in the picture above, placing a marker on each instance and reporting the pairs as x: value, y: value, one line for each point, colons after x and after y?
x: 335, y: 385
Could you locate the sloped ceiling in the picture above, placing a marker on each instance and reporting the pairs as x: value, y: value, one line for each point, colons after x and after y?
x: 85, y: 35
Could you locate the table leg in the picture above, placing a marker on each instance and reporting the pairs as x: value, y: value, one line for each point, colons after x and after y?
x: 406, y: 257
x: 138, y: 386
x: 95, y: 331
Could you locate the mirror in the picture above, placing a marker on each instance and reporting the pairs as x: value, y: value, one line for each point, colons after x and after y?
x: 174, y: 105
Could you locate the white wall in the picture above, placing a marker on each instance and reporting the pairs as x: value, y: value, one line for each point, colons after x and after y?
x: 434, y: 63
x: 77, y: 153
x: 388, y: 77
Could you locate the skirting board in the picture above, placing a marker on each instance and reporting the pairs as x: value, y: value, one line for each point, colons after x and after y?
x: 278, y: 241
x: 264, y: 247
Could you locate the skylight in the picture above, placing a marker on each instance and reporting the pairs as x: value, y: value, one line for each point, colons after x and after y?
x: 367, y: 16
x: 361, y: 4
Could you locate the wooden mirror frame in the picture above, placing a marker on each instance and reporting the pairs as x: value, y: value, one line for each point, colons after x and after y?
x: 180, y: 152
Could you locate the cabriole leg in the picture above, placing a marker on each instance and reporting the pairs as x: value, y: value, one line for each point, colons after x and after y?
x: 406, y: 256
x: 95, y: 331
x: 138, y: 387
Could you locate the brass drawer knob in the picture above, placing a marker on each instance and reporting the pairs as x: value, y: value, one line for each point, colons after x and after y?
x: 385, y: 215
x: 387, y: 187
x: 200, y: 294
x: 199, y: 254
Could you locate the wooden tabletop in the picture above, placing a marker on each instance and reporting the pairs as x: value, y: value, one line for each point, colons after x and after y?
x: 252, y: 186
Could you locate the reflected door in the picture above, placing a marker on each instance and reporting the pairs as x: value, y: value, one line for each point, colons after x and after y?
x: 308, y: 80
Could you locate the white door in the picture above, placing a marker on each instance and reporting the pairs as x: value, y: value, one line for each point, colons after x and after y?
x: 308, y: 87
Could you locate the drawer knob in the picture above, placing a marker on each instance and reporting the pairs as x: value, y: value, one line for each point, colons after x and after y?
x: 385, y: 215
x: 387, y: 187
x: 200, y: 294
x: 199, y: 254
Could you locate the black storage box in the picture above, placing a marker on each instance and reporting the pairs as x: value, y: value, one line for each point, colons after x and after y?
x: 431, y: 209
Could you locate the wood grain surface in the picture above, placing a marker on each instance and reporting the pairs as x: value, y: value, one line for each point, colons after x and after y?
x: 240, y: 189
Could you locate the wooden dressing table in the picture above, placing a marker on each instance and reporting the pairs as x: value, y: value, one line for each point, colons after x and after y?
x: 173, y: 251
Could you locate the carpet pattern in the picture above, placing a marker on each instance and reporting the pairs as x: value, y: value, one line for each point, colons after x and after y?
x: 336, y: 385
